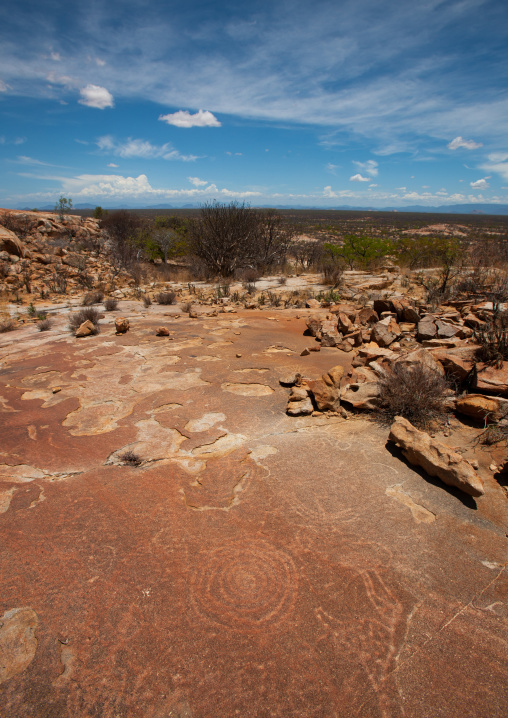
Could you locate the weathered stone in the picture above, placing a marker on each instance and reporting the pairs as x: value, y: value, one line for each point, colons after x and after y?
x: 435, y: 458
x: 162, y: 332
x: 333, y: 377
x: 344, y: 324
x: 17, y: 641
x: 300, y: 408
x: 420, y: 357
x: 290, y: 379
x: 362, y: 396
x: 85, y: 329
x: 478, y: 406
x: 493, y: 379
x: 326, y: 398
x: 382, y: 305
x: 382, y: 335
x: 330, y: 337
x: 446, y: 331
x: 314, y: 325
x: 345, y: 346
x: 305, y: 352
x: 299, y: 393
x: 455, y: 366
x: 368, y: 316
x: 410, y: 315
x: 9, y: 242
x: 121, y: 325
x: 427, y: 329
x: 312, y: 304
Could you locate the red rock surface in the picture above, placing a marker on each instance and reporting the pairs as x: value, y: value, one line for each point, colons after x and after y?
x: 252, y: 564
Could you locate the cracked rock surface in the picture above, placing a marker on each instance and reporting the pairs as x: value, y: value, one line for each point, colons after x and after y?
x: 247, y: 563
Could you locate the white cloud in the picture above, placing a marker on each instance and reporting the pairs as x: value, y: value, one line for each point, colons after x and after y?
x: 331, y: 168
x: 3, y: 86
x: 498, y: 164
x: 112, y: 164
x: 466, y: 144
x: 197, y: 182
x: 100, y: 62
x: 20, y: 140
x: 56, y: 56
x: 480, y: 184
x: 234, y: 154
x: 359, y: 178
x: 370, y: 167
x: 183, y: 118
x: 96, y: 96
x: 141, y: 148
x: 373, y: 185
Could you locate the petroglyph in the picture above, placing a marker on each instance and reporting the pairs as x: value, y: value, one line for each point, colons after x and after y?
x: 17, y: 641
x: 67, y: 658
x: 244, y: 586
x: 420, y: 513
x: 247, y: 389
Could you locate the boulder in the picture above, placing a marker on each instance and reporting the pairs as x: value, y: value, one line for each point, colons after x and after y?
x: 326, y: 398
x: 85, y: 329
x: 382, y: 305
x: 121, y: 325
x: 9, y: 242
x: 312, y: 304
x: 455, y: 366
x: 446, y: 331
x: 290, y: 379
x: 435, y: 458
x: 410, y: 315
x: 478, y: 407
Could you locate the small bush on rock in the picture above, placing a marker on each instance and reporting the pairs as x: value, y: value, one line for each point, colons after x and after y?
x: 493, y: 340
x: 166, y: 298
x: 130, y: 458
x: 110, y: 304
x: 415, y: 392
x: 7, y: 325
x: 89, y: 314
x: 44, y: 325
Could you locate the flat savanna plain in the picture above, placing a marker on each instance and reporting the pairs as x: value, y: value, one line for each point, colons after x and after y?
x: 248, y: 563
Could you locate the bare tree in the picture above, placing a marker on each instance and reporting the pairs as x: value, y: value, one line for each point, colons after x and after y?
x: 165, y: 239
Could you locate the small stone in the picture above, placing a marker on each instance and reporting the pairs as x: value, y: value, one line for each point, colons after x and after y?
x: 85, y: 329
x: 238, y: 356
x: 493, y: 467
x: 305, y: 352
x: 121, y: 325
x: 162, y: 332
x: 56, y: 389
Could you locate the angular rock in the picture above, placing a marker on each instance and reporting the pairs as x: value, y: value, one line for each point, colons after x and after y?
x: 344, y: 324
x: 478, y: 407
x: 455, y: 366
x: 410, y: 315
x: 493, y: 379
x: 312, y: 304
x: 382, y: 305
x: 300, y: 408
x: 368, y: 316
x: 446, y: 331
x: 9, y: 242
x: 85, y: 329
x: 423, y: 357
x: 435, y: 458
x: 18, y: 642
x: 330, y: 337
x: 382, y: 335
x: 290, y: 379
x: 426, y: 329
x: 162, y: 332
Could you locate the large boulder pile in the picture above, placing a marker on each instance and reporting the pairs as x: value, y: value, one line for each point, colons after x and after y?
x: 41, y: 253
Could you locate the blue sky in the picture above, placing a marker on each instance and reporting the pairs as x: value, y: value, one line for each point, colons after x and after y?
x: 348, y: 102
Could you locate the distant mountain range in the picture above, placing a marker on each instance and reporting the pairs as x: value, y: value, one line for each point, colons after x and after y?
x: 494, y: 209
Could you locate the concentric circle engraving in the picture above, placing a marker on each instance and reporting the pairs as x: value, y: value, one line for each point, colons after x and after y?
x: 244, y: 587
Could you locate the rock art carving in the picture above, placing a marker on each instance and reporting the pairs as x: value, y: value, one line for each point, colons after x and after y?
x: 245, y: 586
x: 18, y: 642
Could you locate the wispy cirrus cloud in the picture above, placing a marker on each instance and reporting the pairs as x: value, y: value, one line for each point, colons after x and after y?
x: 131, y: 148
x: 465, y: 144
x: 370, y: 167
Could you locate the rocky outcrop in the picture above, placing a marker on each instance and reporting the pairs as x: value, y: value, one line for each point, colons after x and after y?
x: 435, y: 458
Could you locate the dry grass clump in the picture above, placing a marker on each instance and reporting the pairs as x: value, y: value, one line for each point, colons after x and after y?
x: 493, y: 340
x: 415, y: 392
x: 110, y: 304
x: 76, y: 319
x: 43, y: 325
x: 90, y: 298
x: 130, y: 458
x: 165, y: 298
x: 7, y: 325
x: 147, y: 302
